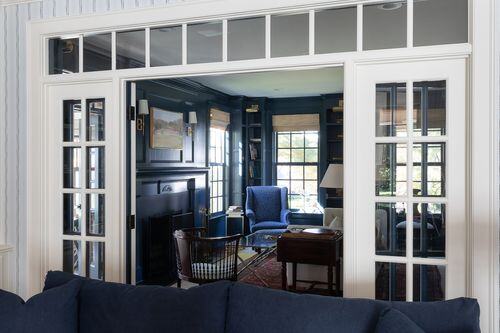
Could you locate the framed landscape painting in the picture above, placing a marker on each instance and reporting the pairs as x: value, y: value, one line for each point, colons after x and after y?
x: 166, y: 129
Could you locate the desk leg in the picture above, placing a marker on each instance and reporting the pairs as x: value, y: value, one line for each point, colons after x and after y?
x: 283, y: 276
x: 294, y: 276
x: 330, y: 279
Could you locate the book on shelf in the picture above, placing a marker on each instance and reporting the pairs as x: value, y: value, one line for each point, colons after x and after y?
x: 256, y: 140
x: 254, y: 153
x: 253, y: 171
x: 252, y: 108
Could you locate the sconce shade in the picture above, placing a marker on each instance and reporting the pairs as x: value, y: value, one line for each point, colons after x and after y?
x: 192, y: 117
x: 143, y: 107
x: 334, y: 177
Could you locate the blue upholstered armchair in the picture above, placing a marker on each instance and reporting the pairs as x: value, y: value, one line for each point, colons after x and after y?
x: 267, y: 207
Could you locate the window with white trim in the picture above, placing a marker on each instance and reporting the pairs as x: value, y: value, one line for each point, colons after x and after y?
x: 218, y: 160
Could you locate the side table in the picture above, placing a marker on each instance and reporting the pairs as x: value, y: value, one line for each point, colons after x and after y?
x: 314, y: 249
x: 235, y: 223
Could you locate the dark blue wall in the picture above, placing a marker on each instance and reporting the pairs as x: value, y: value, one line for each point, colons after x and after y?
x: 181, y: 95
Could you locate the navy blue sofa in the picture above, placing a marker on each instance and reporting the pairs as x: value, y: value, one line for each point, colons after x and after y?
x: 266, y: 207
x: 223, y: 307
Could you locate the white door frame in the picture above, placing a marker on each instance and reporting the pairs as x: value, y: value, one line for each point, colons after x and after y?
x: 455, y: 260
x: 54, y: 177
x: 483, y: 118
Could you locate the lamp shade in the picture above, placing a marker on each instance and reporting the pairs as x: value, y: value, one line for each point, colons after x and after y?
x: 143, y: 107
x: 334, y: 177
x: 192, y: 117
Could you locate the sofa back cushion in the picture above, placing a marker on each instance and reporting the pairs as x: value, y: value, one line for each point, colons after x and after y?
x: 393, y: 321
x: 266, y: 203
x: 55, y: 310
x: 112, y: 307
x: 459, y: 315
x: 253, y: 309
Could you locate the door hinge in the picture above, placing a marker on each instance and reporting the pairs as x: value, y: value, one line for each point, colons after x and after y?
x: 131, y: 113
x: 131, y: 222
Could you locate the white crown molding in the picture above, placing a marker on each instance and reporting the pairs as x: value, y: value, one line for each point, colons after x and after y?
x: 16, y: 2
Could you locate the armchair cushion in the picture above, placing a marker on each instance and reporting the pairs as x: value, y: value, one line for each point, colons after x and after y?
x: 269, y: 225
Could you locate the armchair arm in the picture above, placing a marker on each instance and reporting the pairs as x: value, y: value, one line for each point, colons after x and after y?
x: 285, y: 216
x: 250, y: 215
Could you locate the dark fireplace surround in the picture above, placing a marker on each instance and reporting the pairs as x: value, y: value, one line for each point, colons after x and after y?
x: 166, y: 200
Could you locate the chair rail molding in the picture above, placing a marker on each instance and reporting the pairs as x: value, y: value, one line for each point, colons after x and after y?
x: 16, y: 2
x: 5, y: 276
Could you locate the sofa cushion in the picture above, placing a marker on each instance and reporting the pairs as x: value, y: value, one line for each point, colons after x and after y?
x: 393, y: 321
x: 459, y: 315
x: 253, y: 309
x: 55, y: 310
x: 112, y: 307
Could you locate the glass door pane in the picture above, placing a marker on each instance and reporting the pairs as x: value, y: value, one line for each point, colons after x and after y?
x: 83, y: 252
x: 424, y: 167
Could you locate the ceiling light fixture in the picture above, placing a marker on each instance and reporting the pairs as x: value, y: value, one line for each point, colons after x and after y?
x: 391, y: 6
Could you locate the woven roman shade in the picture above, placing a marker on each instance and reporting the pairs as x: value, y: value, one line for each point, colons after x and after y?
x: 296, y: 122
x: 219, y: 119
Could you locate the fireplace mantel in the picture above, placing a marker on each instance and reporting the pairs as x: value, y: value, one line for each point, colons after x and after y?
x: 148, y: 172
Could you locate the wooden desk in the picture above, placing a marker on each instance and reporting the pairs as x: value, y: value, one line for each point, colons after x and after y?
x: 314, y: 249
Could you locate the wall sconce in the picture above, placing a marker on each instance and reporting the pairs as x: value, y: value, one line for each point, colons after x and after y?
x: 193, y: 120
x: 143, y: 111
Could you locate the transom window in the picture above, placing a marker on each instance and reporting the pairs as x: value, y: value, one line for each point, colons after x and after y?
x: 383, y: 25
x: 297, y: 167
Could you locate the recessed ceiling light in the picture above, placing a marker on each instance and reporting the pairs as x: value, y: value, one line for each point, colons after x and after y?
x: 391, y: 6
x: 210, y: 32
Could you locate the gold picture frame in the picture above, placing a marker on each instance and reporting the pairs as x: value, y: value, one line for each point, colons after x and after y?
x: 166, y: 129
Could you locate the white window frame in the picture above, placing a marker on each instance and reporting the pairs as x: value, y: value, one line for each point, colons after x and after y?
x: 482, y: 127
x: 290, y: 164
x: 225, y: 174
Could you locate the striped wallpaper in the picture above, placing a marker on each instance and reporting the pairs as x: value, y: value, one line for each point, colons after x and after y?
x: 13, y: 100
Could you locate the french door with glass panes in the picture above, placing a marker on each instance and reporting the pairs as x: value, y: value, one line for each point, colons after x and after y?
x: 81, y: 162
x: 410, y: 217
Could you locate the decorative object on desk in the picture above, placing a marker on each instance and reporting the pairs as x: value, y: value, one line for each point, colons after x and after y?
x: 319, y: 231
x: 143, y: 111
x: 193, y: 120
x: 333, y: 218
x: 166, y: 129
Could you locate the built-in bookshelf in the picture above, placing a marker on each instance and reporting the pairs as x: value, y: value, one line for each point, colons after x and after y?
x: 335, y: 144
x: 254, y: 143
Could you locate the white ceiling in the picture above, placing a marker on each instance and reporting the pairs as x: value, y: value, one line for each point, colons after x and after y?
x: 278, y: 84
